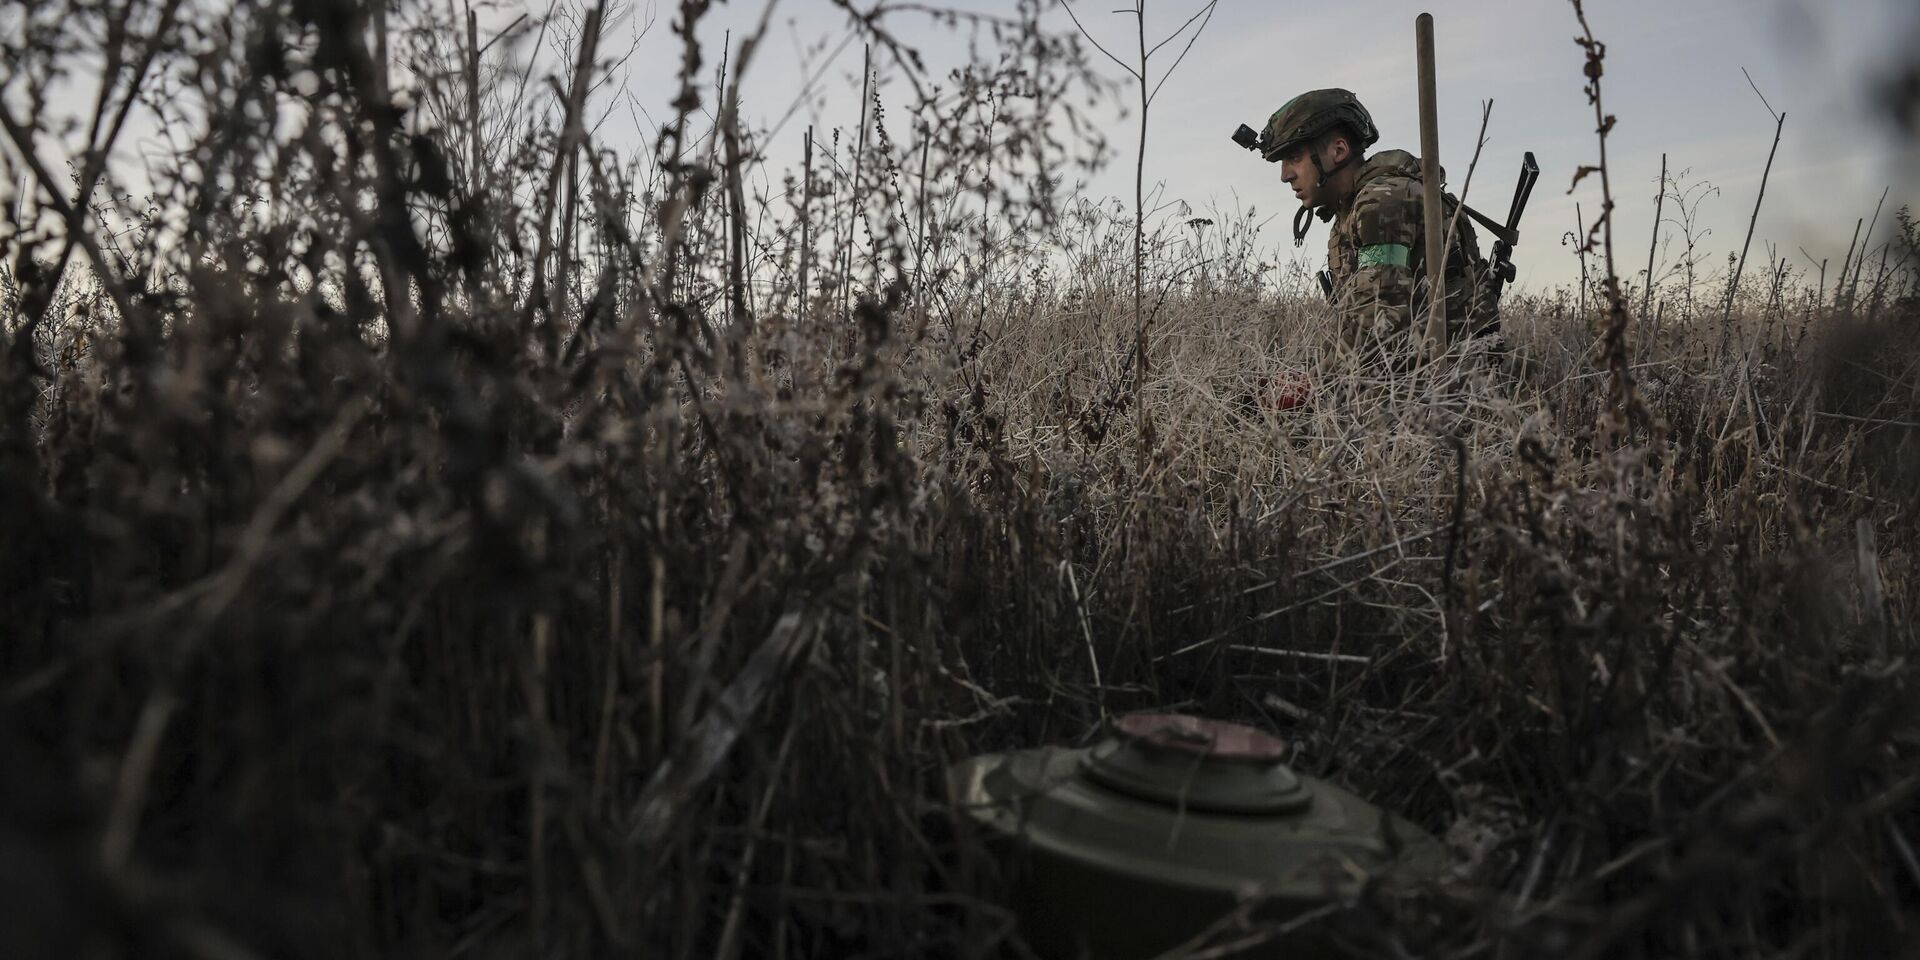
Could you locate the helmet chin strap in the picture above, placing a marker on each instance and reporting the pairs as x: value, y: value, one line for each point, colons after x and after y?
x: 1304, y: 219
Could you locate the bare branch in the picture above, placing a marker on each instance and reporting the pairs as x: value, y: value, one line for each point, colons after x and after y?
x: 1208, y: 10
x: 1756, y: 92
x: 1096, y: 44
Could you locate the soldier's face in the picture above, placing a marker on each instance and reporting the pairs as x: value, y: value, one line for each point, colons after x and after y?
x: 1298, y: 170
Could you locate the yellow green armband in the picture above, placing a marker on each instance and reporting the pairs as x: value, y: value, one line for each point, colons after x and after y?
x: 1384, y: 255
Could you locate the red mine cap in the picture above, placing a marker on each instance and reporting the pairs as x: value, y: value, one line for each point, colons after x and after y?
x: 1217, y: 740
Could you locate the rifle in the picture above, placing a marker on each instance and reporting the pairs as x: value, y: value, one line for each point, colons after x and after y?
x: 1508, y: 234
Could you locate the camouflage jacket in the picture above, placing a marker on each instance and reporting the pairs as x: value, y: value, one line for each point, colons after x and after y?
x: 1377, y: 257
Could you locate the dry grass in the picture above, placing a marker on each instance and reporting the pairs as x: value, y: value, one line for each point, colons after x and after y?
x: 610, y: 592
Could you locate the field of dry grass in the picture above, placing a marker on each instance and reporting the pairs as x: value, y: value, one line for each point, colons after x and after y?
x: 431, y: 533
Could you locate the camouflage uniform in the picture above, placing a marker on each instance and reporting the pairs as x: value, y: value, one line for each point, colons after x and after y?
x: 1376, y: 254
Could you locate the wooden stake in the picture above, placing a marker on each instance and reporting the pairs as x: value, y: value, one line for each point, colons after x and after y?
x: 1436, y: 252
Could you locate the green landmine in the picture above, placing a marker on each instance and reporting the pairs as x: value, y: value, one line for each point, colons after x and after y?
x: 1174, y: 827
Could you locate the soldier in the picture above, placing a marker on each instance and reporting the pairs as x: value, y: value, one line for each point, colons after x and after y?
x: 1376, y: 254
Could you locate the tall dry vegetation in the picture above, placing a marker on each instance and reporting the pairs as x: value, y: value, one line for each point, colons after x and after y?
x: 430, y: 532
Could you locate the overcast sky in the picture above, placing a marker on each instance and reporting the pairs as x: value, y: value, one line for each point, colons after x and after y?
x: 1673, y: 79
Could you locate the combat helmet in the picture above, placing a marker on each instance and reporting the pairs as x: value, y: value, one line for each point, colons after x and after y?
x: 1311, y: 114
x: 1302, y: 120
